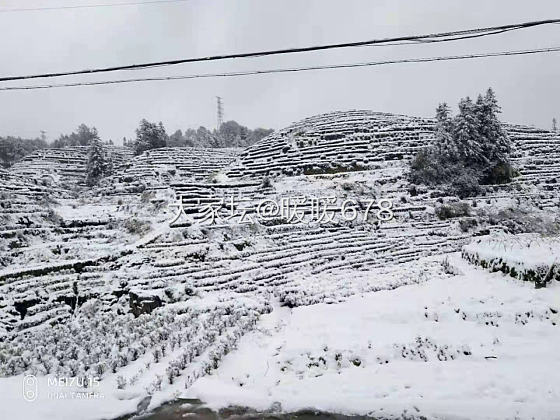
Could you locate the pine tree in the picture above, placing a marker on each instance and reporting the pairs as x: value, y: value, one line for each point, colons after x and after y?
x: 496, y: 144
x: 466, y: 134
x: 149, y: 136
x: 97, y: 163
x: 444, y: 144
x: 468, y: 149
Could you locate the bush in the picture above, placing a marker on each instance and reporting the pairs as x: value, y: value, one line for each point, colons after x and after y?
x: 502, y: 173
x: 147, y: 196
x: 121, y: 382
x: 467, y: 224
x: 524, y: 220
x: 429, y: 169
x: 137, y: 227
x: 449, y: 211
x: 53, y: 217
x: 465, y: 185
x: 347, y: 186
x: 424, y: 169
x: 266, y: 182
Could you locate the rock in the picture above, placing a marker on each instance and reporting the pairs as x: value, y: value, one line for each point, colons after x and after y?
x: 143, y: 404
x: 143, y: 304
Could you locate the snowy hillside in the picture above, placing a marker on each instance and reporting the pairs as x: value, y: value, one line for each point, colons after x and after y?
x: 148, y: 281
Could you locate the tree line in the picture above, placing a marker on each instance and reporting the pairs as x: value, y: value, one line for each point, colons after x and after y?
x: 148, y: 136
x: 13, y: 149
x: 230, y: 134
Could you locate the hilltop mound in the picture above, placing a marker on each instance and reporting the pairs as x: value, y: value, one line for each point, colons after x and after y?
x: 63, y: 166
x: 360, y: 139
x: 335, y: 142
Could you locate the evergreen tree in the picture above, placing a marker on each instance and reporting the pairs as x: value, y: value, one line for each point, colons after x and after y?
x: 14, y: 148
x: 466, y: 134
x: 444, y: 145
x: 469, y: 149
x: 149, y: 136
x: 98, y: 165
x: 82, y: 137
x: 497, y: 145
x: 205, y: 138
x: 176, y: 139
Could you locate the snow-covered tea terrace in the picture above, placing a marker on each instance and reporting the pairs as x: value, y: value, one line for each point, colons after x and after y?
x: 448, y: 310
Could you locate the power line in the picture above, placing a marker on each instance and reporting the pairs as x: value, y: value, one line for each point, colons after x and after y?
x: 90, y: 6
x: 291, y: 70
x: 437, y: 37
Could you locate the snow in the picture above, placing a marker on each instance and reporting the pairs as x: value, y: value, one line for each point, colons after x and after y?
x: 141, y: 378
x: 498, y: 330
x: 69, y: 211
x: 61, y: 402
x: 370, y: 307
x: 524, y: 250
x: 527, y: 257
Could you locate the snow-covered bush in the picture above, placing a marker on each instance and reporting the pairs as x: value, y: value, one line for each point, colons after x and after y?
x: 525, y: 257
x: 96, y: 343
x: 451, y: 210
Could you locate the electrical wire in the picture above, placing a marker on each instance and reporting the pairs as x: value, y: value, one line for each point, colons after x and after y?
x: 437, y: 37
x: 288, y: 70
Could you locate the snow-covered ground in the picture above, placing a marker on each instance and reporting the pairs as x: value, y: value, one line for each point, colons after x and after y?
x: 472, y: 345
x: 475, y: 345
x: 210, y: 327
x: 366, y: 318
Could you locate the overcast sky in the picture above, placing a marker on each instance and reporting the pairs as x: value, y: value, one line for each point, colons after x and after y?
x: 528, y: 87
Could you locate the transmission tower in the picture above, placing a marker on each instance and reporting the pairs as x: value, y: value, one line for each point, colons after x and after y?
x: 220, y: 112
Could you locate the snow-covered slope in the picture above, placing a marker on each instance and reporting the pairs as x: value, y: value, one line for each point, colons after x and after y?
x: 476, y: 345
x: 108, y: 261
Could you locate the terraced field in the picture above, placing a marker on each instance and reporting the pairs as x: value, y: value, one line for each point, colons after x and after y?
x: 72, y: 256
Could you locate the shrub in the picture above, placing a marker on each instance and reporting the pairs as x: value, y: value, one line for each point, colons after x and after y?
x: 53, y: 217
x: 502, y: 173
x: 524, y: 220
x: 266, y: 182
x: 449, y: 211
x: 147, y: 196
x: 137, y: 227
x: 424, y: 169
x: 448, y: 268
x: 121, y: 382
x: 347, y: 186
x: 465, y: 185
x: 467, y: 224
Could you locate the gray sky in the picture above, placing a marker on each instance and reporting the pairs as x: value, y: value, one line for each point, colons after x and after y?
x: 33, y: 42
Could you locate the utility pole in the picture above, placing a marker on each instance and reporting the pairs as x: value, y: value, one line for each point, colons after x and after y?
x: 220, y: 113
